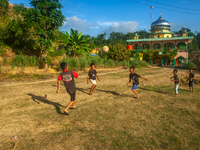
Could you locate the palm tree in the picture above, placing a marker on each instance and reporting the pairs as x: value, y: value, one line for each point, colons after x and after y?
x: 77, y: 43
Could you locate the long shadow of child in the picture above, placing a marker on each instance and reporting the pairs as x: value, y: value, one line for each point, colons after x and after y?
x: 44, y: 100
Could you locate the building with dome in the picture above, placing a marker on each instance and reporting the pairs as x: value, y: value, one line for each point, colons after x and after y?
x: 161, y: 38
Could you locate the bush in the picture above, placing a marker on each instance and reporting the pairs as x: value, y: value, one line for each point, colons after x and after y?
x: 83, y: 63
x: 138, y: 64
x: 20, y: 61
x: 73, y: 63
x: 33, y: 61
x: 191, y: 65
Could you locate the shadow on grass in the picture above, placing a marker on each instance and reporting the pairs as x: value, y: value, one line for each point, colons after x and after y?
x: 155, y: 90
x: 105, y: 91
x: 44, y: 100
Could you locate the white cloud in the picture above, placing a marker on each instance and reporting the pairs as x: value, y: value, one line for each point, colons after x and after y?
x: 95, y: 27
x: 123, y: 27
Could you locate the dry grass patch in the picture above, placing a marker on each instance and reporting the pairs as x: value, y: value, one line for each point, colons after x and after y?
x: 109, y: 119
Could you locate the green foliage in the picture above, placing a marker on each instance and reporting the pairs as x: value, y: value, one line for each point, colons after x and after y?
x: 170, y: 53
x: 3, y: 6
x: 19, y: 9
x: 138, y: 64
x: 118, y: 52
x: 33, y: 61
x: 2, y: 51
x: 5, y: 61
x: 76, y: 43
x: 45, y: 17
x: 149, y: 54
x: 191, y: 65
x: 57, y: 53
x: 83, y: 63
x: 73, y: 63
x: 23, y: 61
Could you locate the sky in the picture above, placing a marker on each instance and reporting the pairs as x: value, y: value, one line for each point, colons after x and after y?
x: 94, y: 17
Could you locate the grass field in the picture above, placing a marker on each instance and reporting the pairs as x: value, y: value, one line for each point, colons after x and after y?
x: 112, y: 118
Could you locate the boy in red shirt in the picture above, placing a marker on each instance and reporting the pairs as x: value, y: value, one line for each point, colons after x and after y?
x: 68, y: 79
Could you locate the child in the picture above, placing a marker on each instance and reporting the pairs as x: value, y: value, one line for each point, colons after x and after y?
x: 191, y: 80
x: 92, y: 74
x: 176, y: 81
x: 135, y: 77
x: 68, y: 79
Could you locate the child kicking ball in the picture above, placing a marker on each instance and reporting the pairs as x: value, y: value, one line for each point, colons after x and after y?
x: 135, y: 77
x: 68, y: 79
x: 92, y: 74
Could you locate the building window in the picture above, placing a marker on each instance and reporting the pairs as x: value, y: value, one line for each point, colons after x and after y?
x: 158, y: 36
x: 168, y: 36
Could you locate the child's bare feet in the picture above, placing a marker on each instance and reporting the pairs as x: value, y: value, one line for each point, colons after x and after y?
x: 66, y: 112
x: 176, y: 95
x: 90, y: 93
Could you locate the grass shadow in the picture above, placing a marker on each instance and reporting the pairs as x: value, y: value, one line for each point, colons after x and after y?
x: 105, y: 91
x: 154, y: 90
x: 39, y: 99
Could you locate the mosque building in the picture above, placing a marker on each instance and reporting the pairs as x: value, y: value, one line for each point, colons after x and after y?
x: 161, y: 38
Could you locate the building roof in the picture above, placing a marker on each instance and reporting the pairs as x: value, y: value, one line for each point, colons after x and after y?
x: 160, y: 39
x: 160, y: 22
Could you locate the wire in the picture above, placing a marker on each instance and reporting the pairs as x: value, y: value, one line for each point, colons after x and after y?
x: 163, y: 8
x: 172, y: 5
x: 194, y: 24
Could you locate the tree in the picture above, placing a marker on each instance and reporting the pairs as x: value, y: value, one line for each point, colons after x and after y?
x: 18, y: 9
x: 169, y: 54
x: 45, y: 18
x: 77, y: 44
x: 118, y: 52
x: 3, y: 6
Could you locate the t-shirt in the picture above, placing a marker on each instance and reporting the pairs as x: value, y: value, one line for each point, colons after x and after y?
x: 74, y: 74
x: 191, y: 75
x: 176, y: 78
x: 134, y: 77
x: 92, y: 74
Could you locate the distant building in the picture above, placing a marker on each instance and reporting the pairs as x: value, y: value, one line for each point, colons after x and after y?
x: 161, y: 38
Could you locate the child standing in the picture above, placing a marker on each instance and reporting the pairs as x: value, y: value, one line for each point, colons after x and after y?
x: 135, y: 77
x: 176, y: 81
x: 191, y: 80
x: 92, y: 74
x: 68, y: 79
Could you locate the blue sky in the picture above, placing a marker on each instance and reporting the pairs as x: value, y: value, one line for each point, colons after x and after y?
x: 98, y: 16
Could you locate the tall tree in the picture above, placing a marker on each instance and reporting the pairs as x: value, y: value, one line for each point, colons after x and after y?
x: 3, y: 6
x: 45, y: 17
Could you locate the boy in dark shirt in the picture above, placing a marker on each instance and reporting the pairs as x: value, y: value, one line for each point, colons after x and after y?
x: 92, y: 74
x: 176, y: 81
x: 191, y: 80
x: 68, y: 79
x: 135, y: 77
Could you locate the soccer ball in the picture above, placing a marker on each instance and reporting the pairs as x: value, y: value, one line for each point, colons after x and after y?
x: 105, y: 49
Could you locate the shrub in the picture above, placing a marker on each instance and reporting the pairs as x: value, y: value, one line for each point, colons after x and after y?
x: 83, y: 62
x: 191, y: 65
x: 33, y: 61
x: 20, y: 61
x: 123, y: 63
x: 138, y: 64
x: 5, y: 61
x: 73, y: 63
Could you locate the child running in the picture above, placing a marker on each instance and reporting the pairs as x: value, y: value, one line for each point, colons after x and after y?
x: 176, y: 81
x: 68, y: 79
x: 92, y: 74
x: 135, y: 77
x: 191, y: 80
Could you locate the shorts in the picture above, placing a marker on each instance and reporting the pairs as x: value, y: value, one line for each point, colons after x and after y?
x: 93, y: 81
x: 191, y: 83
x: 134, y: 87
x: 72, y: 96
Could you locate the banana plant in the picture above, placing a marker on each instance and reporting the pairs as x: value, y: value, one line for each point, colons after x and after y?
x: 77, y: 43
